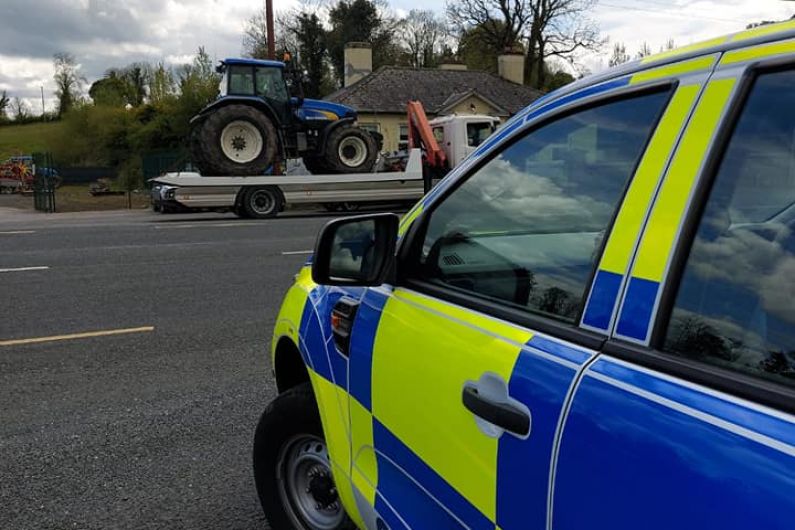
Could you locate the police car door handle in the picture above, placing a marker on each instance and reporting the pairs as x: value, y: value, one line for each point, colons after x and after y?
x: 503, y: 415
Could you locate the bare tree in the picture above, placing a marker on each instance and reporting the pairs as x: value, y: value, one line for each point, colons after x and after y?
x: 619, y: 56
x: 19, y: 109
x: 5, y: 101
x: 548, y: 28
x: 502, y: 23
x: 644, y: 51
x: 255, y: 34
x: 423, y: 36
x: 560, y: 28
x: 68, y: 82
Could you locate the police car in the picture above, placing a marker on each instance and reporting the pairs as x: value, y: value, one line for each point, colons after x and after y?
x: 588, y: 324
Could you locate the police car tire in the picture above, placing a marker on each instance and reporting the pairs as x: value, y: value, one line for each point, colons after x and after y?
x: 206, y: 148
x: 292, y: 413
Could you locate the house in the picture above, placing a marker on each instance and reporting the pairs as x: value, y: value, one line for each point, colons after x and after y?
x: 380, y: 97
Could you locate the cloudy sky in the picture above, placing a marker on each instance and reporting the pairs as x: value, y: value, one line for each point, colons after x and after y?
x: 105, y: 33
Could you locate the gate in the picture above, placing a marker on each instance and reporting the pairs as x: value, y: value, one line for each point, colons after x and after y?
x: 45, y: 180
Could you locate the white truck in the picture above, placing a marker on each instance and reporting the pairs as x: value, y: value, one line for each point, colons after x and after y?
x: 446, y: 141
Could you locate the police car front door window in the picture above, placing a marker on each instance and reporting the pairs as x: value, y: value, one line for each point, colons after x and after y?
x: 527, y: 227
x: 734, y: 307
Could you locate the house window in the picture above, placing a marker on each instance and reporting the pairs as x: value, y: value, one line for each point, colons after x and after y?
x: 370, y: 127
x: 403, y: 136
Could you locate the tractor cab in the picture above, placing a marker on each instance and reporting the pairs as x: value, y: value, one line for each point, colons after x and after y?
x: 254, y: 78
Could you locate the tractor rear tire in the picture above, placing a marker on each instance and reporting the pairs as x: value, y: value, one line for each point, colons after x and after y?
x: 234, y: 140
x: 350, y: 149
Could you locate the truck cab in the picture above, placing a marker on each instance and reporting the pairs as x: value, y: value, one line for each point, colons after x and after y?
x: 460, y: 135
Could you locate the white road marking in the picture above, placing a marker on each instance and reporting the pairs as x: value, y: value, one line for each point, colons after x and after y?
x: 296, y: 252
x: 23, y: 269
x: 15, y: 232
x: 201, y: 225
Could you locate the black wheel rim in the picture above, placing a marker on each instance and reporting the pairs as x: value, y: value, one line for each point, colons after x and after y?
x: 262, y: 202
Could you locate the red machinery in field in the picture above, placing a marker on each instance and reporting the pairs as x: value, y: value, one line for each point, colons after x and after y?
x: 16, y: 174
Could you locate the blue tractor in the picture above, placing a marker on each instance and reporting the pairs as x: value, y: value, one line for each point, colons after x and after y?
x: 256, y: 121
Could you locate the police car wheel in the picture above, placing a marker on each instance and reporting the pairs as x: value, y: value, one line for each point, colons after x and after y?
x: 292, y: 470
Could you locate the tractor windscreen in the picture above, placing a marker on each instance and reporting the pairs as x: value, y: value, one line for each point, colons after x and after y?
x: 270, y: 83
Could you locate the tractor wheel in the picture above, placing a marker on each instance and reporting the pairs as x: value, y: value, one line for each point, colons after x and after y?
x: 350, y: 150
x: 315, y: 165
x: 234, y: 140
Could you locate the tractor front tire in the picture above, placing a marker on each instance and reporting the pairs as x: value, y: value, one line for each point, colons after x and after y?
x: 234, y: 140
x: 350, y: 149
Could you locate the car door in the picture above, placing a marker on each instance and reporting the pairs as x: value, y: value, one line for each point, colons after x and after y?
x: 687, y: 419
x: 458, y: 375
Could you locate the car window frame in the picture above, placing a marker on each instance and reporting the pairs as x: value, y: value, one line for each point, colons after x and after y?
x: 745, y: 386
x: 411, y: 244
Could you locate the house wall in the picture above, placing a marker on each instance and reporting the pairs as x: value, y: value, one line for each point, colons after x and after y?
x: 480, y: 107
x: 388, y: 125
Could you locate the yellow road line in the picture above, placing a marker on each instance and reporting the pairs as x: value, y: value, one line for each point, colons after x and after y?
x: 88, y: 334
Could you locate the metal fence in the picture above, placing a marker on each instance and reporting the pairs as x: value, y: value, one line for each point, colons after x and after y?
x: 45, y: 180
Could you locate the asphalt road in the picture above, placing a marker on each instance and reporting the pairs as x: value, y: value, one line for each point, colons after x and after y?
x: 150, y: 429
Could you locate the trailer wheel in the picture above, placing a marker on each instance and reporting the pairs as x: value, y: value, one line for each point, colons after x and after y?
x: 234, y: 140
x: 262, y: 202
x: 351, y: 150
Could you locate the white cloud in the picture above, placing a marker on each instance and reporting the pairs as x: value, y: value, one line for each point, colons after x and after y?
x: 106, y: 33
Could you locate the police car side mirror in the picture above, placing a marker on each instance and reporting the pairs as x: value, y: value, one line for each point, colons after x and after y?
x: 356, y: 251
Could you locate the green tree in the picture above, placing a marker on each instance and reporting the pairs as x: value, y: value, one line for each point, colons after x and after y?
x: 478, y: 49
x: 361, y: 21
x: 111, y: 90
x: 556, y: 77
x: 161, y: 85
x: 310, y: 41
x: 68, y: 82
x: 136, y: 76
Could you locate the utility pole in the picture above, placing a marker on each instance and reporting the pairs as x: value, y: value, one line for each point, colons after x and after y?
x: 269, y: 25
x: 42, y: 101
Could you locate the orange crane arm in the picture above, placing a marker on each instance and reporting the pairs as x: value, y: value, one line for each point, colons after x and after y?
x: 421, y: 135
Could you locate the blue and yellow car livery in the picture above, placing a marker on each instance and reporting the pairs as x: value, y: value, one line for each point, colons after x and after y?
x: 620, y: 438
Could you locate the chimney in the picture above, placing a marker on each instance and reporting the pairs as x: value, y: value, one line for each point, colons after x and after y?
x: 358, y: 61
x: 510, y: 66
x: 452, y: 66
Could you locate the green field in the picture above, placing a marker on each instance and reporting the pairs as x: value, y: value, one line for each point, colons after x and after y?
x: 26, y: 139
